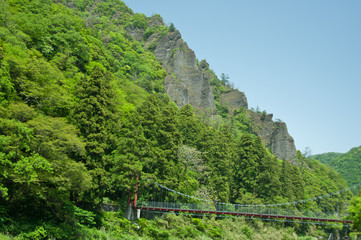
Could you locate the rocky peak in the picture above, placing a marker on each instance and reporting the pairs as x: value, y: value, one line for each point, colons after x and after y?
x: 155, y: 20
x: 138, y: 33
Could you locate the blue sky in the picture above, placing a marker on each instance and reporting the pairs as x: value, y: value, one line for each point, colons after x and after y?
x: 300, y: 60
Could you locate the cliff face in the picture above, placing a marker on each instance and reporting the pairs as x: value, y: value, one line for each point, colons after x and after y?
x: 282, y: 144
x: 274, y: 135
x: 187, y: 81
x: 234, y: 100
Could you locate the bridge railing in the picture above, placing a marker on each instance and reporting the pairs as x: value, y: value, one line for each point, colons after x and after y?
x: 235, y: 208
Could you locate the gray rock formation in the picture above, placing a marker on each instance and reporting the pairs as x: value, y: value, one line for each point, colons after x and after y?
x: 234, y: 100
x: 136, y: 33
x: 177, y: 90
x: 156, y: 20
x: 274, y: 135
x: 282, y: 144
x: 184, y: 72
x: 188, y: 82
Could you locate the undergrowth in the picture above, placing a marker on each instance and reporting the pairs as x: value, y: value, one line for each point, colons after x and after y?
x: 168, y: 226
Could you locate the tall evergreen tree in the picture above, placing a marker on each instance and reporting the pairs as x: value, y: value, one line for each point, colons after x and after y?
x: 218, y: 150
x: 190, y: 126
x: 246, y: 167
x: 158, y: 120
x: 255, y: 170
x: 291, y: 182
x: 97, y: 115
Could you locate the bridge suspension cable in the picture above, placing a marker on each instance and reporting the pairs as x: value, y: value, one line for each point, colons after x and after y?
x: 261, y: 205
x: 253, y: 218
x: 205, y: 206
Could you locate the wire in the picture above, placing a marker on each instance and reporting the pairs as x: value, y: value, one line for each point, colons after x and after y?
x: 250, y: 218
x: 263, y: 205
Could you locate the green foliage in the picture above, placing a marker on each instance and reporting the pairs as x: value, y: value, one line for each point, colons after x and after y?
x: 157, y: 117
x: 138, y: 20
x: 320, y: 179
x: 218, y: 150
x: 240, y: 123
x: 172, y: 27
x: 222, y: 110
x: 355, y: 214
x: 190, y: 126
x: 247, y: 231
x: 347, y: 164
x: 255, y: 171
x: 154, y: 29
x: 327, y: 158
x: 97, y: 113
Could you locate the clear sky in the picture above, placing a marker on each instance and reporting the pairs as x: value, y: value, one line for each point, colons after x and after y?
x: 300, y: 60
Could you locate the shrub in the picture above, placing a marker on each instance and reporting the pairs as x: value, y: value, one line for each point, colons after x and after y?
x: 246, y: 231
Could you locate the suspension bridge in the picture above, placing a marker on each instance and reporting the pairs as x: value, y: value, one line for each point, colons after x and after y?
x: 199, y: 206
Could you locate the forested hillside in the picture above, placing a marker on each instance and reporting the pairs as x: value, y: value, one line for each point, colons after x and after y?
x: 347, y: 164
x: 83, y: 113
x: 327, y: 158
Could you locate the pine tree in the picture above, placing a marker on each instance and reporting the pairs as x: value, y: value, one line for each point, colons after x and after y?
x: 127, y: 159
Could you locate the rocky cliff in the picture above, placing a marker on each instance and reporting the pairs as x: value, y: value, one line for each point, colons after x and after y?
x: 233, y: 100
x: 188, y: 82
x: 274, y: 135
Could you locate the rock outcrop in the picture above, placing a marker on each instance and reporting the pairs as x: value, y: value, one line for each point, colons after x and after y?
x: 138, y: 33
x: 274, y: 135
x: 187, y: 81
x: 282, y: 144
x: 233, y: 100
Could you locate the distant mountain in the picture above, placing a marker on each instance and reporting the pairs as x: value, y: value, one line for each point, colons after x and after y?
x: 327, y: 158
x: 347, y: 164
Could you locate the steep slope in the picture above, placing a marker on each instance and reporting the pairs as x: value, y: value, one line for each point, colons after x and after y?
x: 232, y: 103
x: 191, y: 82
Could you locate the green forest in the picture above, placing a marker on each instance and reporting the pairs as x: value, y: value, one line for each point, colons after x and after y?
x: 347, y: 164
x: 83, y: 113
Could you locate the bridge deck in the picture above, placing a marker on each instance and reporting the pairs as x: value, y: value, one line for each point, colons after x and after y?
x: 243, y: 214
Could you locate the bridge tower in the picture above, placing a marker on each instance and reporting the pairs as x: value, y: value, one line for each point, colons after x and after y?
x: 132, y: 213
